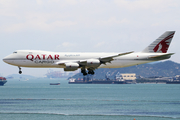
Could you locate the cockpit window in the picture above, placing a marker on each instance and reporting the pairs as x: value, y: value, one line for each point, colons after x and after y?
x: 15, y: 52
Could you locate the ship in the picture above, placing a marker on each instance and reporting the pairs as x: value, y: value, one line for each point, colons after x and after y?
x: 173, y: 82
x: 97, y: 82
x: 54, y: 83
x: 2, y: 81
x: 107, y: 80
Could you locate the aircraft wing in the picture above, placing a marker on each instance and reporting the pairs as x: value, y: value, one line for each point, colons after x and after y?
x: 110, y: 58
x: 92, y: 63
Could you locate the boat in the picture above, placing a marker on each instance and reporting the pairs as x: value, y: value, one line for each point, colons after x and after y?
x: 2, y: 81
x: 54, y: 83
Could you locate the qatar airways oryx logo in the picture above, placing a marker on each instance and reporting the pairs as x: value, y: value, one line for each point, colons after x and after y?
x: 163, y: 45
x: 43, y: 58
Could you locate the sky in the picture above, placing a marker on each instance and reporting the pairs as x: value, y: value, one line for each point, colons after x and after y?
x: 84, y: 26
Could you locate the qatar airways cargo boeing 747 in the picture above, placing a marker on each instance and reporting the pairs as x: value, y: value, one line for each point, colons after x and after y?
x: 88, y: 62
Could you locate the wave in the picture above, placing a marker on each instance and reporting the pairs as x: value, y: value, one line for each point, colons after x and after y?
x: 176, y: 102
x: 63, y: 114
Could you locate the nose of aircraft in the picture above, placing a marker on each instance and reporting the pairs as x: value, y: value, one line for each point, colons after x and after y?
x: 7, y: 59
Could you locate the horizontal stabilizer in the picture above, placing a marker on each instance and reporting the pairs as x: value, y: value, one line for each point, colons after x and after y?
x: 165, y: 56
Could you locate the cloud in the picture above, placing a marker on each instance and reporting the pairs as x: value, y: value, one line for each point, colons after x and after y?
x: 100, y: 44
x: 112, y: 21
x: 86, y: 25
x: 40, y: 16
x: 154, y: 5
x: 37, y: 23
x: 66, y: 46
x: 53, y: 15
x: 39, y: 2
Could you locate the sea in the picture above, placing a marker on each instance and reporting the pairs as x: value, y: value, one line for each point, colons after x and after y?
x: 36, y: 99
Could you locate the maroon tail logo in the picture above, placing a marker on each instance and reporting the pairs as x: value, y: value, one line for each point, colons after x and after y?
x: 164, y: 44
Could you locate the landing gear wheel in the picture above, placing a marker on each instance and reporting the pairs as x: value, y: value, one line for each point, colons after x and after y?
x: 84, y: 72
x: 91, y: 72
x: 20, y: 70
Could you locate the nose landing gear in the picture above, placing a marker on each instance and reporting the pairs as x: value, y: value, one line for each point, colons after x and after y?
x: 20, y: 70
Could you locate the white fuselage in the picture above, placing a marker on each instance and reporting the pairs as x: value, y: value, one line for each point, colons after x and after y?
x: 156, y: 51
x: 45, y: 59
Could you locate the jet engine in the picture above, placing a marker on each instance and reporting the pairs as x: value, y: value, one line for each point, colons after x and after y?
x: 71, y: 66
x: 93, y: 63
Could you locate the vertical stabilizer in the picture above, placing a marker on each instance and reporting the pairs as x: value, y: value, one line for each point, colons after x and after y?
x: 161, y: 44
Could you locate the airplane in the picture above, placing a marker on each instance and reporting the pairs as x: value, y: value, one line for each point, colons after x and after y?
x: 88, y: 62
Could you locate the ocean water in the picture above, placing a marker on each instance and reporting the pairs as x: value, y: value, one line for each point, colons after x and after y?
x: 36, y: 99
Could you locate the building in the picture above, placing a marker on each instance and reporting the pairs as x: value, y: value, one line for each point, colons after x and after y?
x: 128, y: 76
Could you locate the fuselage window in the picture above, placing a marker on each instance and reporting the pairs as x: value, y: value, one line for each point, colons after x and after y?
x: 14, y: 52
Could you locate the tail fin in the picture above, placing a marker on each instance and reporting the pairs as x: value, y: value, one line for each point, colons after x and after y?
x: 161, y: 44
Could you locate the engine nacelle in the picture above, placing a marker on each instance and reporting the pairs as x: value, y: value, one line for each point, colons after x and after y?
x: 71, y: 66
x: 93, y: 63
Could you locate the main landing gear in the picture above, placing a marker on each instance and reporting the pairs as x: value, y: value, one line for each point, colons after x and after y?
x: 85, y: 73
x: 20, y: 70
x: 91, y: 72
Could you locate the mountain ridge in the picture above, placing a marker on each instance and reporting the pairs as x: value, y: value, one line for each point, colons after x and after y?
x: 165, y: 68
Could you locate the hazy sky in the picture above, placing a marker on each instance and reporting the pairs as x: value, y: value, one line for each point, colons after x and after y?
x: 84, y: 26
